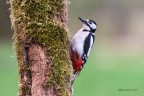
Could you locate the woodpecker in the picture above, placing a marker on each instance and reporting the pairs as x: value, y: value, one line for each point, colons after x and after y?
x: 81, y: 45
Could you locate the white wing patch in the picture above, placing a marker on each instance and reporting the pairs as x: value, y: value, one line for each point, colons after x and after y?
x: 91, y: 44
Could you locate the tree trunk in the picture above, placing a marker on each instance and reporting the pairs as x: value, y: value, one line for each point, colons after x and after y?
x: 42, y: 47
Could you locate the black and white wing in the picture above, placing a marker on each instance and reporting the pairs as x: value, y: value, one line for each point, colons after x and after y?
x: 88, y: 43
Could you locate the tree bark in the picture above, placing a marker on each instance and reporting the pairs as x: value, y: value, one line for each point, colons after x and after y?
x: 42, y: 47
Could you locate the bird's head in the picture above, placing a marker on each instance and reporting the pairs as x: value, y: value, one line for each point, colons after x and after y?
x: 88, y: 25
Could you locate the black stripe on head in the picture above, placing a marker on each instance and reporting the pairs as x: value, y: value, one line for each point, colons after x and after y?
x: 90, y: 22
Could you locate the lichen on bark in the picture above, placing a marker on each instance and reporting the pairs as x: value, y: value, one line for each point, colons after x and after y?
x: 43, y: 24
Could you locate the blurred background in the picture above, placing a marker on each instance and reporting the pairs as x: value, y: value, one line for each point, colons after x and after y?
x: 116, y: 62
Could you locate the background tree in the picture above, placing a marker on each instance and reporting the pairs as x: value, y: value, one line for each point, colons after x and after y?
x: 42, y: 47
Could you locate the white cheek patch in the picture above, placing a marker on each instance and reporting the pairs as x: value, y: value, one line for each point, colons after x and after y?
x: 93, y: 26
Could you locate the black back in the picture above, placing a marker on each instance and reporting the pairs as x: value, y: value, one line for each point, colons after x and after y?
x: 87, y: 46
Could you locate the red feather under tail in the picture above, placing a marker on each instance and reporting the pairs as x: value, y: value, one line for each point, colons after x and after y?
x: 77, y: 64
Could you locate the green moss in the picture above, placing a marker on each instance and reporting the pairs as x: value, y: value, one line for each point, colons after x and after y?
x: 23, y: 65
x: 39, y: 11
x: 38, y: 21
x: 55, y: 39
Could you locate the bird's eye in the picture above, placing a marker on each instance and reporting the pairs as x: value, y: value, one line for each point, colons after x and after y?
x: 90, y: 22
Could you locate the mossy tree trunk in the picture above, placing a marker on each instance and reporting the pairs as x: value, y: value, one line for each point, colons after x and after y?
x: 42, y: 47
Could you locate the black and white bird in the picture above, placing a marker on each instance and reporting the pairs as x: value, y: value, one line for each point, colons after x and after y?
x: 81, y: 45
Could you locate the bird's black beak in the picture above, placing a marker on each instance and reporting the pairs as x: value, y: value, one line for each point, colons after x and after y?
x: 84, y: 21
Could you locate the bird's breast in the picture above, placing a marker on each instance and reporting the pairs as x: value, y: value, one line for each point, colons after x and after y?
x: 78, y: 42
